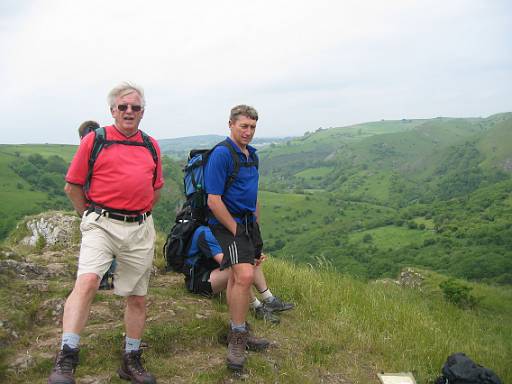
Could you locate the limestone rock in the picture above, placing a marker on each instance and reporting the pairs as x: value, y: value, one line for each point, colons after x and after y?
x: 32, y: 271
x: 410, y: 278
x: 22, y: 363
x: 56, y: 228
x: 51, y: 309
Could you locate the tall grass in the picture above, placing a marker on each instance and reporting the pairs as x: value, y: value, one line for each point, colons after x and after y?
x: 360, y: 327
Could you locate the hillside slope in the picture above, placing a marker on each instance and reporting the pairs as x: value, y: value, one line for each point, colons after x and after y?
x: 342, y: 331
x: 32, y: 181
x: 375, y: 197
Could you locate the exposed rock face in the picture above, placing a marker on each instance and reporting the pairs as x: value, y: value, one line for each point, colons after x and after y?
x: 410, y: 278
x: 22, y: 270
x: 54, y: 227
x: 51, y: 310
x: 31, y: 271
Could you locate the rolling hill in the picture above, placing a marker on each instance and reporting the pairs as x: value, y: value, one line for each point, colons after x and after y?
x: 368, y: 199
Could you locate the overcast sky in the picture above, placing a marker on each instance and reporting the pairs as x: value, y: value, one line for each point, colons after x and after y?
x: 302, y: 64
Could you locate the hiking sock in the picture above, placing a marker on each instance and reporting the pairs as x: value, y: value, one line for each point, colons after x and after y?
x: 71, y: 339
x: 255, y: 303
x: 131, y: 344
x: 267, y: 296
x: 238, y: 327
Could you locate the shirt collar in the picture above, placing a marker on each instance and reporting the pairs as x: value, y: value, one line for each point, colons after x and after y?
x: 250, y: 148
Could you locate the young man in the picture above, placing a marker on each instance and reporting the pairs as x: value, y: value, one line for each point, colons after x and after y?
x: 235, y: 222
x: 115, y: 203
x: 204, y: 277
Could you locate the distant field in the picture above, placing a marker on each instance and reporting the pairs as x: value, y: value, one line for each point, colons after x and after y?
x: 392, y: 236
x: 63, y: 150
x: 314, y: 172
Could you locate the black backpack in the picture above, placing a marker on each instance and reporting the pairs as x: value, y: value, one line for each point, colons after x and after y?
x: 100, y: 142
x: 460, y: 369
x: 193, y: 179
x: 178, y: 241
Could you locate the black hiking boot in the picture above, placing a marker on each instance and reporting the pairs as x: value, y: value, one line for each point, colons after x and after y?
x: 277, y: 305
x: 265, y: 314
x: 237, y: 343
x: 133, y: 370
x: 65, y: 364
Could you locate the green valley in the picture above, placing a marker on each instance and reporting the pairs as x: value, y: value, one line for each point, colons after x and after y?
x: 367, y: 199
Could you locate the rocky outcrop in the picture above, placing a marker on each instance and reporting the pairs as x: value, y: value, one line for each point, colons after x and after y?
x: 55, y: 228
x: 410, y: 278
x: 32, y: 271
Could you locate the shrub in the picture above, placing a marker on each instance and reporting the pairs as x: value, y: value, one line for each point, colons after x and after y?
x: 458, y: 294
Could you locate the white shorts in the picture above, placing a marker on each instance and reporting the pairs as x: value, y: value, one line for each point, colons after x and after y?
x: 132, y: 244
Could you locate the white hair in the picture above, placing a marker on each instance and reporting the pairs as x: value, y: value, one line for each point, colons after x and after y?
x: 123, y: 89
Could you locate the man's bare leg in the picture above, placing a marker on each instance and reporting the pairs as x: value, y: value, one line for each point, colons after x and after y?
x: 219, y: 280
x: 135, y: 316
x: 239, y: 285
x: 78, y: 303
x: 259, y: 279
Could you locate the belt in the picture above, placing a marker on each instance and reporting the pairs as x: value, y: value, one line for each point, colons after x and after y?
x: 116, y: 216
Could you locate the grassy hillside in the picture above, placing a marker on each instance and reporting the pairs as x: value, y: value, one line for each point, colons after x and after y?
x: 32, y: 181
x: 369, y: 198
x: 342, y: 331
x: 22, y: 196
x: 373, y: 198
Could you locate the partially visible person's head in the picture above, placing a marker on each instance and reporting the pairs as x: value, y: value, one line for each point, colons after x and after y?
x: 87, y: 127
x: 127, y: 105
x: 242, y: 123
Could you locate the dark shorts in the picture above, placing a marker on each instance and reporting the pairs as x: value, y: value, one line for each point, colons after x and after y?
x: 197, y: 281
x: 245, y: 247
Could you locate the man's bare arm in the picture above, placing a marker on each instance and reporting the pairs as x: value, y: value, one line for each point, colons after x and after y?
x: 222, y: 214
x: 76, y: 195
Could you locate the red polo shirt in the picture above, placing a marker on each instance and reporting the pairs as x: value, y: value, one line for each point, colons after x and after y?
x: 122, y: 177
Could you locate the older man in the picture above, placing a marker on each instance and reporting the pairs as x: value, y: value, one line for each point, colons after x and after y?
x: 113, y: 183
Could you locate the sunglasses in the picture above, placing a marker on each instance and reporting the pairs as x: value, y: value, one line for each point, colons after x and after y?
x: 124, y: 107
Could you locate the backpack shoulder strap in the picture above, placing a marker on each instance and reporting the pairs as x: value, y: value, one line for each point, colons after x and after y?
x: 236, y: 163
x: 149, y: 145
x: 100, y: 138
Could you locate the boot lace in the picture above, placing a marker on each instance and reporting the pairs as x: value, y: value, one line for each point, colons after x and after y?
x: 238, y: 347
x: 67, y: 361
x: 135, y: 362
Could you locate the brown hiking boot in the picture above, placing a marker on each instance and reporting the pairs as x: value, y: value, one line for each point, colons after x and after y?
x: 237, y: 343
x: 65, y: 364
x: 254, y: 343
x: 132, y: 369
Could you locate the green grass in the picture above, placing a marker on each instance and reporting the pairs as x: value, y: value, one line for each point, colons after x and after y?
x: 348, y: 330
x: 314, y: 172
x: 63, y: 150
x: 392, y: 236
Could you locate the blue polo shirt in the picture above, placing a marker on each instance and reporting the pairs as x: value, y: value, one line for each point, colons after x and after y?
x: 203, y: 248
x: 241, y: 196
